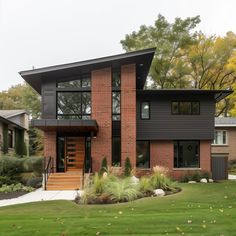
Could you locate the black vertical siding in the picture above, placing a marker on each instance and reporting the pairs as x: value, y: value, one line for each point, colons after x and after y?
x: 48, y: 99
x: 164, y: 125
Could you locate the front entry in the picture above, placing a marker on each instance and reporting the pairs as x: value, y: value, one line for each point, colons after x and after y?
x: 74, y: 153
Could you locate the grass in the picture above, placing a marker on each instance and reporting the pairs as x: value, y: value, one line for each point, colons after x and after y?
x: 200, y: 209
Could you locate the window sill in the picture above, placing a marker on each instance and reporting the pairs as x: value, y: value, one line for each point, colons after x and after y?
x: 219, y: 145
x: 186, y: 168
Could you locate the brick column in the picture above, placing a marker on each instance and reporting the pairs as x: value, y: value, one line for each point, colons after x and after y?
x: 101, y: 111
x: 205, y: 155
x: 128, y: 113
x: 50, y: 147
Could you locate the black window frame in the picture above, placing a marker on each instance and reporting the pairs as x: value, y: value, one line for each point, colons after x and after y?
x: 148, y: 167
x: 149, y: 110
x: 185, y: 101
x: 76, y: 78
x: 115, y: 89
x: 186, y: 167
x: 112, y: 159
x: 79, y: 115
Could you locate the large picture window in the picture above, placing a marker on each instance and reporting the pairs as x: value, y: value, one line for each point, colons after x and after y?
x: 220, y: 137
x: 142, y: 154
x: 74, y: 105
x: 186, y: 154
x: 185, y: 108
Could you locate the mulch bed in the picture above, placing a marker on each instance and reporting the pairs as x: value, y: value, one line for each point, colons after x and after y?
x: 11, y: 195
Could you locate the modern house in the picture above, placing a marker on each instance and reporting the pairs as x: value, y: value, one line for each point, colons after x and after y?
x: 224, y: 143
x: 14, y: 125
x: 99, y: 108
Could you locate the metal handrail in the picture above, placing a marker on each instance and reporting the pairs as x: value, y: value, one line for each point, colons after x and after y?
x: 47, y: 170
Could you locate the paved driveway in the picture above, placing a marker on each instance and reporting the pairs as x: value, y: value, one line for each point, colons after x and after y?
x: 41, y: 195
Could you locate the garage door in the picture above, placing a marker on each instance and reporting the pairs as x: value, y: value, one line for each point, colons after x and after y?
x: 219, y: 167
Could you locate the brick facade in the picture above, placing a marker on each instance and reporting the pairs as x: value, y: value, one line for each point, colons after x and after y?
x: 50, y: 146
x: 128, y: 113
x: 101, y: 92
x: 162, y: 153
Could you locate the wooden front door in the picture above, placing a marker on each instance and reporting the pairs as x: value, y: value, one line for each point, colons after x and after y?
x: 75, y: 153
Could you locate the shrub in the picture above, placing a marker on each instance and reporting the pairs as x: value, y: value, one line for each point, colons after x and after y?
x: 10, y: 166
x: 196, y: 176
x: 232, y: 164
x: 122, y: 190
x: 103, y: 166
x: 35, y: 182
x: 15, y: 188
x: 6, y: 180
x: 128, y: 167
x: 33, y: 164
x: 145, y: 185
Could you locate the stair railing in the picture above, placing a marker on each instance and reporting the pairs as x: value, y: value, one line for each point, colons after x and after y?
x: 48, y: 169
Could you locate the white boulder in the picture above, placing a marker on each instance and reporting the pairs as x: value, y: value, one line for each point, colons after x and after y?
x: 159, y: 192
x: 192, y: 182
x: 204, y: 180
x: 134, y: 180
x: 210, y: 180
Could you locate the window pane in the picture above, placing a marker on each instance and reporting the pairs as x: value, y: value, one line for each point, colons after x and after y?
x: 116, y: 102
x: 185, y: 108
x: 70, y: 84
x: 86, y: 82
x: 175, y: 108
x: 115, y: 117
x: 86, y: 103
x: 195, y: 108
x: 145, y: 110
x: 10, y: 138
x: 142, y: 154
x: 223, y: 137
x: 116, y: 79
x: 116, y: 151
x: 220, y: 137
x: 186, y: 154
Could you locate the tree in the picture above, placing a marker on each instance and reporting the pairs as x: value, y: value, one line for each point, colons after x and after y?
x: 170, y: 40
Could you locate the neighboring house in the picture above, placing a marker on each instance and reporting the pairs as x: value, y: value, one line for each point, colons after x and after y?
x: 14, y: 125
x: 99, y: 108
x: 224, y: 143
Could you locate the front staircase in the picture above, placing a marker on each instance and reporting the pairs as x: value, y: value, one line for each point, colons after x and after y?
x: 70, y: 180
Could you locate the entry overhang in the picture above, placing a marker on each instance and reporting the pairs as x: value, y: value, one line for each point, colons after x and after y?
x: 70, y: 126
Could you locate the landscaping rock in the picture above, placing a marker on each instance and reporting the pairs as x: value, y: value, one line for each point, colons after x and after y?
x: 134, y: 180
x: 210, y: 180
x: 159, y: 192
x: 192, y: 182
x: 204, y: 180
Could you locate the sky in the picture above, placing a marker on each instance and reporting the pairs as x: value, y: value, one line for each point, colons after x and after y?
x: 39, y: 33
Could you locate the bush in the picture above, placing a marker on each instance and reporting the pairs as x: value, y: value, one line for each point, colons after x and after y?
x: 103, y: 166
x: 128, y: 167
x: 33, y: 164
x: 232, y: 164
x: 6, y: 180
x: 35, y: 182
x: 145, y: 186
x: 15, y: 188
x: 196, y: 176
x: 10, y: 166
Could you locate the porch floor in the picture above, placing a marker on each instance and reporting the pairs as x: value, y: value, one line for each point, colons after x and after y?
x: 70, y: 180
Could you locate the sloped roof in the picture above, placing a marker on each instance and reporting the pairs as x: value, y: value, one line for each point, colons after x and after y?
x: 10, y: 113
x: 225, y: 122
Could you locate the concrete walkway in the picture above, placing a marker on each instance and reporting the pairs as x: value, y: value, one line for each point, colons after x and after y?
x: 41, y: 195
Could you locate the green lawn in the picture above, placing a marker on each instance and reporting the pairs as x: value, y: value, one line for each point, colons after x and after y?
x: 200, y: 209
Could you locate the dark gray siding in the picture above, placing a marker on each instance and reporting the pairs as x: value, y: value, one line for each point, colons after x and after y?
x: 163, y: 125
x: 48, y: 99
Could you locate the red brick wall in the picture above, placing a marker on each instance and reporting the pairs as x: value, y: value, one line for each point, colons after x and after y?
x: 128, y: 113
x: 162, y: 153
x: 50, y: 147
x: 101, y: 111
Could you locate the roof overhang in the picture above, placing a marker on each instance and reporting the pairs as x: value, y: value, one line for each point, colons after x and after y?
x: 13, y: 124
x: 225, y: 125
x: 142, y: 59
x: 217, y: 94
x: 82, y: 127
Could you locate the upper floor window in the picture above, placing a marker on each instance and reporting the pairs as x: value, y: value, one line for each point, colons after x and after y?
x: 220, y: 137
x: 115, y: 105
x: 78, y: 82
x: 116, y: 79
x: 185, y: 108
x: 74, y: 105
x: 145, y: 111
